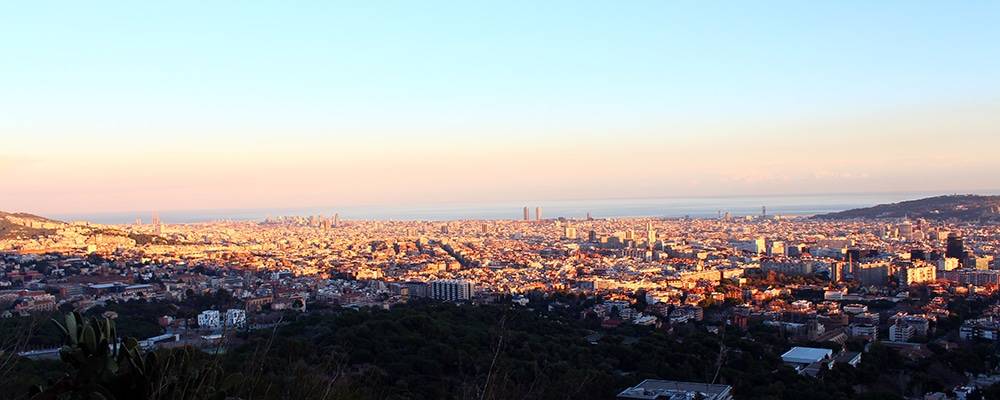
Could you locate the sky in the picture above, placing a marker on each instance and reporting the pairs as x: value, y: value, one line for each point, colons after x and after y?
x: 108, y: 107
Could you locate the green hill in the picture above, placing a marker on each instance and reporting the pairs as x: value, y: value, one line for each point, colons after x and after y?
x: 966, y: 207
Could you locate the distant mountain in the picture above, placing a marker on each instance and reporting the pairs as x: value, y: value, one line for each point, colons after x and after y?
x: 966, y: 207
x: 14, y: 225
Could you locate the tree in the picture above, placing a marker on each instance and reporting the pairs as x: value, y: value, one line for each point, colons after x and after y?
x: 640, y: 300
x: 103, y: 367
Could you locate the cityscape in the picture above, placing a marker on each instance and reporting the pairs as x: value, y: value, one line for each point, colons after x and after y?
x: 645, y: 200
x: 832, y: 287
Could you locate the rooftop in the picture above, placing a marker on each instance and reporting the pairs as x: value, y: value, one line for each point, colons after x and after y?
x: 674, y: 390
x: 805, y: 355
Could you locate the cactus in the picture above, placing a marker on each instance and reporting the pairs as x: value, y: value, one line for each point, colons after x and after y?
x: 104, y: 367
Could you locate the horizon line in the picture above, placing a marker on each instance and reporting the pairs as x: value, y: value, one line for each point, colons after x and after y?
x: 531, y: 202
x: 296, y: 211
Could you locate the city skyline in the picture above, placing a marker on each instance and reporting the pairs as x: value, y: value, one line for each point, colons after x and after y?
x: 666, y: 207
x: 330, y: 104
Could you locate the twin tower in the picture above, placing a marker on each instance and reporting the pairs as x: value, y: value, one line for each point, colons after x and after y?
x: 538, y: 214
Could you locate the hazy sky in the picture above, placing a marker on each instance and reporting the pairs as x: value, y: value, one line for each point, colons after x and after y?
x: 199, y: 105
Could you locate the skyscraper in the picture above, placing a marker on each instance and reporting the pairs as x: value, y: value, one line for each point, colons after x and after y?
x: 650, y: 234
x: 538, y: 213
x: 526, y: 217
x: 156, y: 223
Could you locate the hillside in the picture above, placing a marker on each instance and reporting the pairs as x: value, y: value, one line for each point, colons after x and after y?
x: 961, y: 207
x: 13, y: 225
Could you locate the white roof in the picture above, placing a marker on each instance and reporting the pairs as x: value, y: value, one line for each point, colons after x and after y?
x: 103, y: 285
x: 805, y: 355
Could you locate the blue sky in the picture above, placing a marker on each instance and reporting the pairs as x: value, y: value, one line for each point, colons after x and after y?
x: 235, y: 79
x: 495, y: 58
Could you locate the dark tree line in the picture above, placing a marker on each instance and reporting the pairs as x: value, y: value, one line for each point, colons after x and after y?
x: 447, y: 351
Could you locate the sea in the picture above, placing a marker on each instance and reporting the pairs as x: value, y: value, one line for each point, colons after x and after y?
x: 663, y: 207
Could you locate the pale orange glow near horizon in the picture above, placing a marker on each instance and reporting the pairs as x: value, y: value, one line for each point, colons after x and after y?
x: 902, y: 150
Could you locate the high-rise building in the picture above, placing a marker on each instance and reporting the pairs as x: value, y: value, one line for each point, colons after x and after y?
x: 569, y: 232
x: 837, y: 272
x: 450, y: 289
x: 901, y: 331
x: 906, y: 230
x: 760, y: 245
x: 209, y: 319
x: 917, y: 273
x: 236, y: 318
x: 947, y: 264
x: 157, y: 229
x: 955, y: 247
x: 526, y: 216
x: 777, y: 249
x: 872, y: 274
x: 650, y: 234
x: 538, y: 213
x: 613, y: 241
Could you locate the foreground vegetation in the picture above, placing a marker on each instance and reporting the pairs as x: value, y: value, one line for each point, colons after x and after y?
x: 447, y: 351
